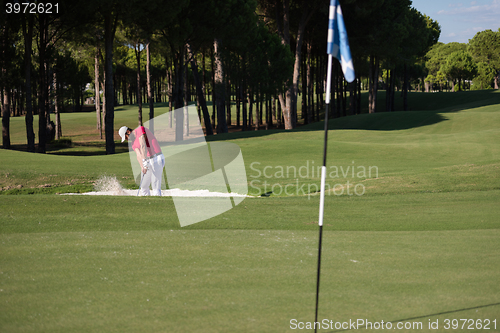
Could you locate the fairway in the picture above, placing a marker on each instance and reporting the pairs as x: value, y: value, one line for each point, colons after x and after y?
x: 411, y: 231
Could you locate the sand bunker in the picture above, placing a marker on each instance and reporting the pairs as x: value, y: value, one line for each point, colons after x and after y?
x: 109, y: 185
x: 166, y: 193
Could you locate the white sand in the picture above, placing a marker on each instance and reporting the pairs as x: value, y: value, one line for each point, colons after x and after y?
x: 109, y: 185
x: 166, y: 193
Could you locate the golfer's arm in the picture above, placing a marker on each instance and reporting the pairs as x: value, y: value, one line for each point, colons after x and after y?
x: 139, y: 156
x: 141, y: 150
x: 142, y: 142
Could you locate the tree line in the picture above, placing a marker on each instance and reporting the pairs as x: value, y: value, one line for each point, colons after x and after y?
x: 260, y: 55
x: 458, y: 66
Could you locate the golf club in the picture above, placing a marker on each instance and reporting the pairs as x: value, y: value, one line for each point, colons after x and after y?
x: 140, y: 184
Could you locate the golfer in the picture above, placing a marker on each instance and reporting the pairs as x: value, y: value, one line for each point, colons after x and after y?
x: 149, y: 156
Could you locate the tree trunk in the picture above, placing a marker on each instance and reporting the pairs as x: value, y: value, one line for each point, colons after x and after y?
x: 387, y: 90
x: 109, y: 98
x: 335, y: 102
x: 289, y: 101
x: 138, y: 75
x: 343, y: 84
x: 28, y: 45
x: 238, y: 103
x: 292, y: 90
x: 204, y: 82
x: 358, y: 105
x: 103, y: 108
x: 150, y: 89
x: 393, y: 92
x: 199, y: 91
x: 307, y: 91
x: 319, y: 85
x: 405, y: 88
x: 42, y: 96
x: 304, y: 113
x: 373, y: 84
x: 97, y: 100
x: 244, y: 108
x: 178, y: 95
x: 391, y: 87
x: 285, y: 34
x: 185, y: 81
x: 257, y: 111
x: 250, y: 108
x: 214, y: 107
x: 273, y: 111
x: 4, y: 90
x: 352, y: 98
x: 170, y: 84
x: 219, y: 88
x: 56, y: 103
x: 229, y: 119
x: 338, y: 88
x: 244, y: 98
x: 5, y: 117
x: 186, y: 96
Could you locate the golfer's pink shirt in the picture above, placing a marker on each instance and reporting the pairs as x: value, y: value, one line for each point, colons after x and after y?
x: 151, y: 142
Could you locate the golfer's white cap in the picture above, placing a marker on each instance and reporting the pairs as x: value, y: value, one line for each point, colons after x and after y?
x: 122, y: 132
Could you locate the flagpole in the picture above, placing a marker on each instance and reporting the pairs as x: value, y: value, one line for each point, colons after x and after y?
x: 338, y: 47
x: 323, y: 179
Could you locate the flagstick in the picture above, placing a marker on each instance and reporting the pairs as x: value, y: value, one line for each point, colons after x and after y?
x: 323, y: 178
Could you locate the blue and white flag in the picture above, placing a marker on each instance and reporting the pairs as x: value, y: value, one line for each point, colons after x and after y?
x: 338, y: 44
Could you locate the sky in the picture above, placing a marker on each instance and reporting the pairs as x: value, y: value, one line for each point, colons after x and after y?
x: 461, y: 20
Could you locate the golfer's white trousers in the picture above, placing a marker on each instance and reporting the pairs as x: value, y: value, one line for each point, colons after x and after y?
x: 153, y: 177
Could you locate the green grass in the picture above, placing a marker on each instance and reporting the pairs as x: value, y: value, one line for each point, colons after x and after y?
x: 411, y: 212
x: 234, y: 280
x: 421, y: 242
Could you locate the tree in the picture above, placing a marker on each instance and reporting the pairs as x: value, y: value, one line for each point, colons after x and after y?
x: 460, y: 66
x: 423, y: 32
x: 112, y: 12
x: 485, y: 47
x: 268, y: 64
x: 219, y: 87
x: 72, y: 74
x: 485, y: 76
x: 6, y: 75
x: 97, y: 88
x: 290, y: 19
x: 135, y: 37
x: 199, y: 91
x: 148, y: 17
x: 110, y: 24
x: 437, y: 56
x: 430, y: 80
x: 379, y: 27
x: 51, y: 29
x: 27, y: 28
x: 441, y: 79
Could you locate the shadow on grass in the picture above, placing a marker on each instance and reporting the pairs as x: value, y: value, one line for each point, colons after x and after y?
x: 75, y: 149
x: 430, y: 315
x: 385, y: 121
x: 87, y: 149
x: 425, y: 109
